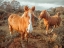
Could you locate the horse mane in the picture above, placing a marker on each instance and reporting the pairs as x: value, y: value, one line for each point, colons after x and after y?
x: 58, y: 13
x: 47, y: 15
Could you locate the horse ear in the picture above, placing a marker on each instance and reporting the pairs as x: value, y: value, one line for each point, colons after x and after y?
x: 33, y: 8
x: 58, y: 13
x: 44, y: 10
x: 26, y: 8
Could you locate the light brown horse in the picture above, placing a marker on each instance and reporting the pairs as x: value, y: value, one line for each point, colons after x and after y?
x: 50, y: 20
x: 22, y: 24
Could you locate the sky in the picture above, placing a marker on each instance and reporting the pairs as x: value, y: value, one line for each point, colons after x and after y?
x: 41, y: 4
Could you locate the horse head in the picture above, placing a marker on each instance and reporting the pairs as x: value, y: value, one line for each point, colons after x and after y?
x: 29, y: 13
x: 44, y: 14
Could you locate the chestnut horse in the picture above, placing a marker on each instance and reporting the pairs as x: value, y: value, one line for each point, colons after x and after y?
x: 22, y: 24
x: 50, y: 20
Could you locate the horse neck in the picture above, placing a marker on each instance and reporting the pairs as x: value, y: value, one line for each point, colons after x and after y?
x: 30, y: 20
x: 47, y: 16
x: 23, y: 14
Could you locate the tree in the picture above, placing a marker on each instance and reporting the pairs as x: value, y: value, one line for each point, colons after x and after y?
x: 8, y: 7
x: 1, y: 2
x: 15, y: 4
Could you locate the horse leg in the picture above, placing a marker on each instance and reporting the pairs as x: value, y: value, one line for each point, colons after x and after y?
x: 11, y: 29
x: 26, y: 36
x: 22, y: 39
x: 53, y: 28
x: 58, y: 24
x: 47, y: 27
x: 22, y: 35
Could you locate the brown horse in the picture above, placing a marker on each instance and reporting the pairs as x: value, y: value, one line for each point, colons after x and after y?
x: 50, y: 20
x: 22, y: 24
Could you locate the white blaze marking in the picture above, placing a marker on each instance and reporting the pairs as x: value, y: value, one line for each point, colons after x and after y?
x: 10, y: 33
x: 29, y: 28
x: 46, y: 32
x: 52, y: 30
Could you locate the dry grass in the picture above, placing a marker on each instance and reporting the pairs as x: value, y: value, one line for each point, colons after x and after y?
x: 37, y: 39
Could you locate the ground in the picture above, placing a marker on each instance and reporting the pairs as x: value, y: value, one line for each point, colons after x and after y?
x: 37, y: 39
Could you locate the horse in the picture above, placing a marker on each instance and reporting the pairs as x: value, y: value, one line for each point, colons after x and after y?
x: 22, y: 24
x: 50, y: 21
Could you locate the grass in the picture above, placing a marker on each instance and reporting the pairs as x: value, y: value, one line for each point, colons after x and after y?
x: 37, y: 39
